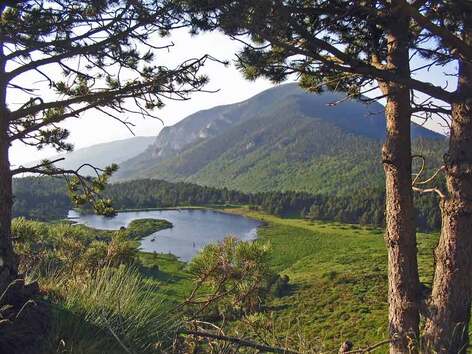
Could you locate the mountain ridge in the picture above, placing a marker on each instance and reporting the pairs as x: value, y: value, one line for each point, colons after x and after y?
x: 102, y: 154
x: 280, y: 139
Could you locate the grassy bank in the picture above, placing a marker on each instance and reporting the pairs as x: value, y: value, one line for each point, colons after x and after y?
x: 140, y: 228
x: 338, y: 278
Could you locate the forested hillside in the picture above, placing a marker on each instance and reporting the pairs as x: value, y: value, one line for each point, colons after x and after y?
x: 282, y: 139
x: 40, y: 198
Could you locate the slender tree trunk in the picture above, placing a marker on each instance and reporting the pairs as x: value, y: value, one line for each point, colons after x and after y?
x: 447, y: 327
x: 8, y: 267
x: 400, y: 236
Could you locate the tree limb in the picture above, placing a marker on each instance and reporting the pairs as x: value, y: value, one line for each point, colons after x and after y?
x: 450, y: 39
x: 239, y: 341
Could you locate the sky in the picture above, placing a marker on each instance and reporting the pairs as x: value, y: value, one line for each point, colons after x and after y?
x: 92, y: 128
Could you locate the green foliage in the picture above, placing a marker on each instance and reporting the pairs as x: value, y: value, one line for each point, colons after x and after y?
x: 87, y: 191
x: 361, y: 206
x: 144, y: 227
x: 338, y: 276
x: 331, y: 275
x: 76, y: 250
x: 104, y: 295
x: 283, y: 139
x: 236, y: 273
x: 40, y: 198
x: 94, y: 83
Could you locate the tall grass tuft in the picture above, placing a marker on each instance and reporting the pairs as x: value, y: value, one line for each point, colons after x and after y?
x: 113, y: 311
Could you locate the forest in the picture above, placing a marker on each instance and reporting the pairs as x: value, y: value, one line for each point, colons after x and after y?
x: 46, y: 198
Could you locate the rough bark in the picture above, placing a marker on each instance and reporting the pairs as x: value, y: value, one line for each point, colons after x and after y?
x: 446, y: 328
x: 400, y: 235
x: 8, y: 266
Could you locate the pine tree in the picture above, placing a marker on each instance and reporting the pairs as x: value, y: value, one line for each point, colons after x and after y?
x: 356, y: 47
x: 92, y: 55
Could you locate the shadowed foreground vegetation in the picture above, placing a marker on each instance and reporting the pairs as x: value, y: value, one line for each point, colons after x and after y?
x: 101, y: 297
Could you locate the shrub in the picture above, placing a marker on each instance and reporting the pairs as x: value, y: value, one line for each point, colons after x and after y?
x: 281, y: 286
x: 236, y: 273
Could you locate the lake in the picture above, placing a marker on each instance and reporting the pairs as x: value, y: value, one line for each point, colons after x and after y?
x: 193, y: 228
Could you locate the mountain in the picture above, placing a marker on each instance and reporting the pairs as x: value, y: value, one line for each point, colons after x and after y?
x: 280, y: 139
x: 102, y: 155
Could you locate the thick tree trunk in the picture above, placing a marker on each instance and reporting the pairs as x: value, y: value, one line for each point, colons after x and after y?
x: 446, y: 328
x: 400, y: 235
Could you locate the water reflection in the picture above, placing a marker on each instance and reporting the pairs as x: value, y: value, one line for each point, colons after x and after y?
x: 193, y: 228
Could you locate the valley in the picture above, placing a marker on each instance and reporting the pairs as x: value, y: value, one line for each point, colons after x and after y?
x: 305, y: 173
x: 235, y: 177
x: 337, y: 283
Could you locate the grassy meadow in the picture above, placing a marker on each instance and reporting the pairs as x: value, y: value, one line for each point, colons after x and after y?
x: 338, y: 276
x: 337, y: 288
x: 338, y: 281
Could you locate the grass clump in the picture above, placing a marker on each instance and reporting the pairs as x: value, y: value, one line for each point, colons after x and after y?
x: 114, y: 311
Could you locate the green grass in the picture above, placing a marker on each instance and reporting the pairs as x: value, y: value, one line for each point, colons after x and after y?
x: 114, y: 311
x: 140, y: 228
x: 168, y: 274
x: 338, y: 277
x: 338, y: 274
x: 338, y: 280
x: 104, y: 296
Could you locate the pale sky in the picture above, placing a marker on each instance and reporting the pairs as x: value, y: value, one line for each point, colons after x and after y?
x: 92, y: 129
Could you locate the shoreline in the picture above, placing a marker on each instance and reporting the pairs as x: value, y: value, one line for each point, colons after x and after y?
x: 162, y: 223
x: 216, y: 207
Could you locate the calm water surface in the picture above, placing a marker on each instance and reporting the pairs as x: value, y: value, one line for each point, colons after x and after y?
x: 193, y: 228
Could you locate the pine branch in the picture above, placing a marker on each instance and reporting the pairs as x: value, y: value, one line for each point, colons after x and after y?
x: 239, y: 341
x: 454, y: 43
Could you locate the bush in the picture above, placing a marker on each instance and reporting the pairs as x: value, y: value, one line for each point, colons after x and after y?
x: 70, y: 249
x: 281, y: 286
x: 99, y: 303
x: 236, y: 273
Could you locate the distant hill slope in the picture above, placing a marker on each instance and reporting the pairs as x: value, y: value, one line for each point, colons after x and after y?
x: 280, y: 139
x: 102, y: 155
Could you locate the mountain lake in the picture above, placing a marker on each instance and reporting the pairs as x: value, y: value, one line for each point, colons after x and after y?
x: 192, y: 229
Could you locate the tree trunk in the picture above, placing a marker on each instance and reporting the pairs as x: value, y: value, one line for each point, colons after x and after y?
x: 400, y: 235
x: 447, y: 327
x: 8, y: 266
